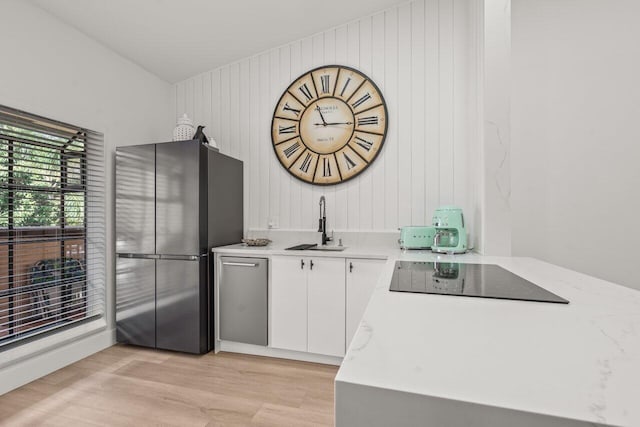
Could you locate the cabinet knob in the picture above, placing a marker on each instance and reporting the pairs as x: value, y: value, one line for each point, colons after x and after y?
x: 301, y: 264
x: 311, y: 264
x: 350, y: 267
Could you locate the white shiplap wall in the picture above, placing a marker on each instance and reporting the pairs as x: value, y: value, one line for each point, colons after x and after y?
x: 422, y: 55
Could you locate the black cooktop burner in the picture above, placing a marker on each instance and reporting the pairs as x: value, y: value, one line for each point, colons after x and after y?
x: 471, y: 280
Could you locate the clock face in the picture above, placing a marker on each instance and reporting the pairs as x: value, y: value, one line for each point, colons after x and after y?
x: 329, y: 125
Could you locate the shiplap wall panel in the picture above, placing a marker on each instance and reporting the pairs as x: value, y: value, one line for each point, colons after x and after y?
x: 421, y: 55
x: 365, y: 184
x: 390, y: 151
x: 264, y: 102
x: 432, y: 105
x: 274, y: 172
x: 378, y: 75
x: 215, y: 130
x: 418, y: 177
x: 461, y: 104
x: 403, y: 122
x: 253, y: 163
x: 245, y: 136
x: 446, y: 140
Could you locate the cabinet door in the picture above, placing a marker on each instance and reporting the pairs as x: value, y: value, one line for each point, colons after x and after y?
x: 362, y: 276
x: 326, y: 305
x: 289, y: 303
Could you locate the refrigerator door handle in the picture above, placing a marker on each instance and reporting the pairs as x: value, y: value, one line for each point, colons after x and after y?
x: 139, y: 256
x: 181, y: 257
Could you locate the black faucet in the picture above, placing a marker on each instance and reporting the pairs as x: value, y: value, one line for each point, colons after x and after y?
x: 322, y: 221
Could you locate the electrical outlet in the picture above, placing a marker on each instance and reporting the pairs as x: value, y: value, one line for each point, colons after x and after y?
x: 273, y: 222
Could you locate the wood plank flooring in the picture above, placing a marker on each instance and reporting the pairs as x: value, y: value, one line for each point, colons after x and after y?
x: 130, y: 386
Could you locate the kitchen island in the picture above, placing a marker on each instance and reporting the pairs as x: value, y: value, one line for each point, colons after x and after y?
x: 438, y: 360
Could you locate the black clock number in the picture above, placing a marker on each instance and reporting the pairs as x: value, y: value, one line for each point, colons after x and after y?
x: 350, y: 163
x: 364, y: 98
x: 289, y: 151
x: 345, y: 86
x: 324, y: 79
x: 371, y: 120
x: 306, y: 92
x: 287, y: 107
x: 364, y: 143
x: 304, y: 167
x: 286, y: 129
x: 326, y: 167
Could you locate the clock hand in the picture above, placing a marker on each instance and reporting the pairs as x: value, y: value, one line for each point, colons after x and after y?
x: 333, y: 123
x: 324, y: 123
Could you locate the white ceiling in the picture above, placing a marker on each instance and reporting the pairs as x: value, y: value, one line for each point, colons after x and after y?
x: 177, y: 39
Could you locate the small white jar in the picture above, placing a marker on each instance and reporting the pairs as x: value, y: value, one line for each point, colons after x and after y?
x: 184, y: 130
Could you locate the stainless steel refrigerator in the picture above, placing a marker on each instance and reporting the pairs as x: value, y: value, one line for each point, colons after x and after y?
x: 174, y: 202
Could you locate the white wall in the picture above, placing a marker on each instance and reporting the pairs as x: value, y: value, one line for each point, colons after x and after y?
x: 495, y: 152
x: 576, y: 135
x: 423, y: 56
x: 52, y: 70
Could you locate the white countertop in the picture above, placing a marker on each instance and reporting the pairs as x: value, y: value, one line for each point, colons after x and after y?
x: 578, y: 361
x: 373, y: 252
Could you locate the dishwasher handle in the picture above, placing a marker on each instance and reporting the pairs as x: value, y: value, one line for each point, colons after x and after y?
x: 240, y: 264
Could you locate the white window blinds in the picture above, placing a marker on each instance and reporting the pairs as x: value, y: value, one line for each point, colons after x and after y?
x: 52, y: 225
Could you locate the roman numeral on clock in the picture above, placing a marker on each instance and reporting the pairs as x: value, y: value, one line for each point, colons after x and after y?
x: 287, y: 107
x: 345, y: 86
x: 363, y: 143
x: 326, y: 167
x: 289, y: 151
x: 286, y: 129
x: 350, y: 163
x: 304, y: 167
x: 371, y: 120
x: 306, y: 92
x: 362, y: 100
x: 324, y: 79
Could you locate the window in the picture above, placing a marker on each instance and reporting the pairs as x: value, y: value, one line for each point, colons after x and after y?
x: 52, y: 235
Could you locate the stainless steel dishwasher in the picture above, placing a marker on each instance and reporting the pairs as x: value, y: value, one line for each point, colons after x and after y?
x: 243, y: 300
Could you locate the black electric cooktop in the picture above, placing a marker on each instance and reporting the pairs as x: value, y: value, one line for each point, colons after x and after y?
x: 469, y: 280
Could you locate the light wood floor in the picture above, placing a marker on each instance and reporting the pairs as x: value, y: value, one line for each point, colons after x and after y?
x: 130, y: 386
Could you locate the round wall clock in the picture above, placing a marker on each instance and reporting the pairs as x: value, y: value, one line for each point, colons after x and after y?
x: 329, y: 125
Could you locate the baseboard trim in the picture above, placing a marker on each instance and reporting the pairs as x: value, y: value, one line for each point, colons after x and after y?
x: 256, y: 350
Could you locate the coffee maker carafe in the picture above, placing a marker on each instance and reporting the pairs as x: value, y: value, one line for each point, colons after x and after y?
x: 451, y: 235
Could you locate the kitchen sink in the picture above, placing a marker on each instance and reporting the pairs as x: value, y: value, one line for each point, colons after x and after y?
x: 328, y: 248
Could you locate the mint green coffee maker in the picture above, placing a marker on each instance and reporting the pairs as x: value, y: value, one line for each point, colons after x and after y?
x: 451, y: 235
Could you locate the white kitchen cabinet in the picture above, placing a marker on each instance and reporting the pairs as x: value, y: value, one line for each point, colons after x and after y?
x: 326, y: 306
x: 289, y: 302
x: 362, y: 277
x: 308, y: 304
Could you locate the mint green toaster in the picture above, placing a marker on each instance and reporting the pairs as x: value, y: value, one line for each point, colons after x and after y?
x: 417, y: 237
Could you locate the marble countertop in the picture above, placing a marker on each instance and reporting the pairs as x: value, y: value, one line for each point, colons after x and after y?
x: 372, y: 252
x: 579, y: 361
